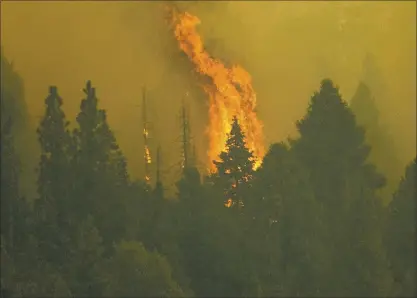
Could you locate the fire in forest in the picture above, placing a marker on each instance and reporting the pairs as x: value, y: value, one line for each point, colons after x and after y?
x: 230, y: 92
x: 147, y: 155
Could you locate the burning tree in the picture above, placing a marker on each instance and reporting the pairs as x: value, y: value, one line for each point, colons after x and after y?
x: 235, y: 167
x: 230, y: 91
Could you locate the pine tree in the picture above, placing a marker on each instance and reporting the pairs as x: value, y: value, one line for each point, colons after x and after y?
x: 55, y: 141
x: 190, y: 230
x: 291, y: 247
x: 86, y: 258
x: 15, y: 107
x: 331, y: 144
x: 189, y: 187
x: 98, y: 149
x: 400, y: 232
x: 9, y: 181
x: 235, y: 168
x: 12, y: 94
x: 333, y: 150
x: 135, y: 272
x: 372, y: 76
x: 54, y: 181
x: 383, y: 153
x: 101, y: 170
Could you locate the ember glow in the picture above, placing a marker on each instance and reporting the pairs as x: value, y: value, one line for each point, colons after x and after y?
x: 230, y: 92
x: 147, y: 155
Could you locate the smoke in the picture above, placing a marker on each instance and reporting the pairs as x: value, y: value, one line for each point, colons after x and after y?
x: 287, y: 47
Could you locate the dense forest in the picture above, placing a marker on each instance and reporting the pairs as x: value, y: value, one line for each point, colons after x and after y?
x: 311, y: 221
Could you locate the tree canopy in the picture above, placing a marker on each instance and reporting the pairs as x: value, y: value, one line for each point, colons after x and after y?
x: 308, y: 222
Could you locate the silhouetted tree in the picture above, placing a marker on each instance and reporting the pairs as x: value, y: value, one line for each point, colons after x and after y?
x: 292, y: 251
x: 401, y: 232
x: 373, y: 77
x: 14, y: 106
x: 383, y: 153
x: 54, y: 185
x: 101, y: 170
x: 312, y: 223
x: 9, y: 183
x: 229, y: 256
x: 332, y: 147
x: 135, y: 272
x: 235, y: 168
x: 191, y: 227
x: 86, y: 258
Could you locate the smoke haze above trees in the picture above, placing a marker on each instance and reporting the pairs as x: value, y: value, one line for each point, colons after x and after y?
x: 286, y: 47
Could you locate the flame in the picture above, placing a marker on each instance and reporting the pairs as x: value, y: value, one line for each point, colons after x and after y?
x: 230, y: 92
x: 147, y: 156
x: 229, y: 203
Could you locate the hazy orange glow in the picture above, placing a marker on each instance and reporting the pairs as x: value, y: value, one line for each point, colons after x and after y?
x: 230, y: 92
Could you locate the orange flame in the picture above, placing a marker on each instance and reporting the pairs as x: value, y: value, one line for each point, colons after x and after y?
x: 148, y: 159
x: 230, y: 92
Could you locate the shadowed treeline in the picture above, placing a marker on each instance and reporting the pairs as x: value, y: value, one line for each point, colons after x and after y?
x: 309, y: 222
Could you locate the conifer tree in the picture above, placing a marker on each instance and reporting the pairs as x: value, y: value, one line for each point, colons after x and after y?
x: 134, y: 272
x: 292, y: 251
x: 401, y: 231
x: 12, y: 94
x: 235, y: 168
x: 86, y: 258
x: 15, y: 107
x: 189, y: 186
x: 15, y: 212
x: 332, y: 147
x: 98, y: 149
x: 101, y: 170
x: 9, y: 183
x: 54, y: 181
x: 190, y: 230
x: 55, y: 141
x: 331, y: 144
x: 383, y: 153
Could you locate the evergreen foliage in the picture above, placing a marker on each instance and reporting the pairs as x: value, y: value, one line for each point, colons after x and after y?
x: 401, y: 231
x: 312, y: 222
x: 383, y: 153
x: 332, y: 147
x: 235, y: 167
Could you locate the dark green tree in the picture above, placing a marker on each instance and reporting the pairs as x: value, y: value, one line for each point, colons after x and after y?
x: 85, y: 259
x: 235, y: 168
x: 292, y: 258
x: 12, y: 94
x: 235, y: 273
x: 190, y: 228
x: 333, y: 150
x: 16, y: 215
x: 401, y: 232
x: 102, y: 179
x: 135, y: 272
x: 383, y: 153
x: 97, y: 145
x: 14, y: 106
x: 54, y: 181
x: 9, y: 183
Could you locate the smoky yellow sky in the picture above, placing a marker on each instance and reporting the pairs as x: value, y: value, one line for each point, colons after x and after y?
x: 288, y: 47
